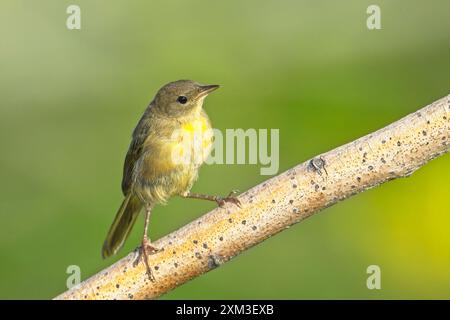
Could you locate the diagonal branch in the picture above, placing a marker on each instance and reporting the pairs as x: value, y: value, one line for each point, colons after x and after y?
x: 204, y: 244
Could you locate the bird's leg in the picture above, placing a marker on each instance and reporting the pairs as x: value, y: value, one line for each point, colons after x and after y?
x: 219, y: 200
x: 146, y: 247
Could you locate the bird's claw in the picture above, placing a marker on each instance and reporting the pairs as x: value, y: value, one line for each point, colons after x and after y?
x: 230, y: 198
x: 152, y: 250
x: 145, y: 250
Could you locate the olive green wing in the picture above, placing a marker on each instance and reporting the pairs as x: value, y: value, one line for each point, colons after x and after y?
x: 131, y: 205
x: 140, y: 134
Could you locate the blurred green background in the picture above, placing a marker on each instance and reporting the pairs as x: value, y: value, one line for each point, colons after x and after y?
x: 70, y: 99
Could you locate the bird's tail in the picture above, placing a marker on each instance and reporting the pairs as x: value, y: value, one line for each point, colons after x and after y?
x: 122, y: 225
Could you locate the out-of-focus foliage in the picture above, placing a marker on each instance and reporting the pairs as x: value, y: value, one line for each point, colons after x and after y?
x: 70, y: 99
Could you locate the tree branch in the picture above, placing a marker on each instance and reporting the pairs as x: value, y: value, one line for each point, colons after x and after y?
x: 206, y: 243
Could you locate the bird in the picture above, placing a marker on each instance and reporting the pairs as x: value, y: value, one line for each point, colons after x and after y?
x: 171, y: 141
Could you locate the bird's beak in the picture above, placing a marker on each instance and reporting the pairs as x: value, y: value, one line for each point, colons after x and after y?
x: 207, y: 89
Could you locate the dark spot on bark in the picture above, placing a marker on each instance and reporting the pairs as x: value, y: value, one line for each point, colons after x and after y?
x: 316, y: 187
x: 424, y: 132
x: 221, y: 238
x: 85, y: 296
x: 205, y: 246
x: 359, y: 179
x: 273, y: 200
x: 195, y: 241
x: 382, y: 160
x: 444, y: 117
x: 316, y: 165
x: 98, y: 288
x: 353, y: 186
x: 214, y: 261
x: 176, y: 265
x: 230, y: 220
x: 399, y: 143
x: 173, y: 252
x: 419, y: 114
x: 117, y: 286
x: 365, y: 155
x: 383, y: 141
x: 130, y: 296
x: 198, y: 255
x: 370, y: 167
x: 295, y: 210
x: 428, y: 122
x: 291, y: 201
x: 156, y: 267
x: 323, y: 188
x: 360, y: 148
x: 244, y: 221
x: 254, y: 228
x: 364, y: 160
x: 294, y: 186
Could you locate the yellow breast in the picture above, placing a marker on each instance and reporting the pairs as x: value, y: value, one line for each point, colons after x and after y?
x: 193, y: 142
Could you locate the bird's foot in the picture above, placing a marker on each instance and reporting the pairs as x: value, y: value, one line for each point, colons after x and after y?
x: 230, y: 198
x: 145, y: 250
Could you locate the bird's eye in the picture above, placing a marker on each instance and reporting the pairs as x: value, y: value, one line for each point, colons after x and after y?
x: 182, y: 99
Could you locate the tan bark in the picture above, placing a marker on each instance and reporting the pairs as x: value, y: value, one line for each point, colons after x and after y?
x: 206, y: 243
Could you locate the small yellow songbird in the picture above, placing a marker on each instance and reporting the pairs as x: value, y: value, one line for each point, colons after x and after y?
x: 170, y: 142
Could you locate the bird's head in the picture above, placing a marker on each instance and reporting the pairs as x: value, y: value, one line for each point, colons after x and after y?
x: 182, y: 98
